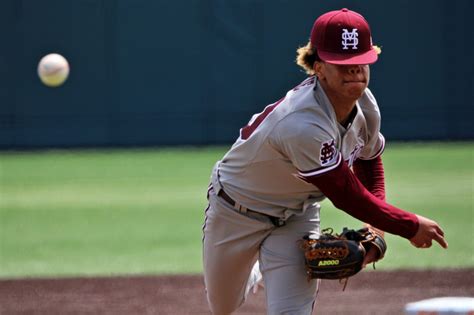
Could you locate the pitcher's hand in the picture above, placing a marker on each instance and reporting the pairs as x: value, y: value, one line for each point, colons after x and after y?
x: 428, y: 230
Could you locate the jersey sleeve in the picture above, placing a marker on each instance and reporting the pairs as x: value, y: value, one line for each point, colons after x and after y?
x: 376, y: 142
x: 372, y: 175
x: 374, y: 148
x: 347, y: 193
x: 309, y: 146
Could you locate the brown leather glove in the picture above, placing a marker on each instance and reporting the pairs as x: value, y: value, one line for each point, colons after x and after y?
x: 339, y: 256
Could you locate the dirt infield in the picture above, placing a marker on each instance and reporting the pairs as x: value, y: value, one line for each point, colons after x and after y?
x: 369, y: 292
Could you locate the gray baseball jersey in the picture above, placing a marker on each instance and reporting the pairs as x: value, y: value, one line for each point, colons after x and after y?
x: 294, y: 138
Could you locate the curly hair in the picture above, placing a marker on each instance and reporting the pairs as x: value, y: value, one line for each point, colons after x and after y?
x: 306, y: 57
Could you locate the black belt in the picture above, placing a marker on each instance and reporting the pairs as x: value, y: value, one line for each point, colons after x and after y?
x: 275, y: 220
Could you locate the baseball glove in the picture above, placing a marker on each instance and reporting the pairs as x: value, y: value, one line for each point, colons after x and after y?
x: 339, y: 256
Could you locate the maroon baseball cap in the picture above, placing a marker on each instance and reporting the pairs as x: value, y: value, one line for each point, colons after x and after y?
x: 343, y: 37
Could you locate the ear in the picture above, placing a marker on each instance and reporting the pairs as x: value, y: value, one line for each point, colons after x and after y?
x: 318, y: 68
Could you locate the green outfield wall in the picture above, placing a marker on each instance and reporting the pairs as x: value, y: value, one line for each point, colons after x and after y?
x: 150, y: 73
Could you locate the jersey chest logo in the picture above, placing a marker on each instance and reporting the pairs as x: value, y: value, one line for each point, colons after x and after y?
x: 350, y: 38
x: 327, y: 152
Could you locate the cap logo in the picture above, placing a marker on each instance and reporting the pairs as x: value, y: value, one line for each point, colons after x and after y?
x: 350, y: 38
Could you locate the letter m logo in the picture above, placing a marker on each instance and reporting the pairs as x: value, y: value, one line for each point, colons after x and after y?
x: 350, y: 38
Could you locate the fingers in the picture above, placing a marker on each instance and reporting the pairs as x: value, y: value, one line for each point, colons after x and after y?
x: 439, y: 230
x: 441, y: 241
x: 428, y: 231
x: 439, y: 237
x: 426, y: 244
x: 437, y: 234
x: 427, y: 241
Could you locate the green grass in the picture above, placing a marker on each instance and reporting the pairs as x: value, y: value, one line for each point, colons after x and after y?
x: 103, y: 212
x: 112, y: 212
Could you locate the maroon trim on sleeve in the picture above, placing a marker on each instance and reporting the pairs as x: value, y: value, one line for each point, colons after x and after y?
x: 322, y: 170
x: 347, y: 193
x: 371, y: 174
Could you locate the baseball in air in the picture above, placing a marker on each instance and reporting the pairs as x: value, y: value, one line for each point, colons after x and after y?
x: 53, y: 70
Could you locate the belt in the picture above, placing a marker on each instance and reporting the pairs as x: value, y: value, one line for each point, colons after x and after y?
x: 275, y: 220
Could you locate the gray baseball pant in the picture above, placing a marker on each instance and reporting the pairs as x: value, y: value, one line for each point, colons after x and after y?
x: 233, y: 242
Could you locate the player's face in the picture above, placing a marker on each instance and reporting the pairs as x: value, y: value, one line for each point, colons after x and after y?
x: 345, y: 81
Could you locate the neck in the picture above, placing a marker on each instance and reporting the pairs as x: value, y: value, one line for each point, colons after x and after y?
x: 343, y: 111
x: 343, y: 106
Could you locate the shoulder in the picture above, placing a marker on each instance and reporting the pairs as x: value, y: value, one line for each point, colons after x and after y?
x: 306, y: 124
x: 370, y: 109
x: 302, y: 116
x: 368, y: 102
x: 375, y: 141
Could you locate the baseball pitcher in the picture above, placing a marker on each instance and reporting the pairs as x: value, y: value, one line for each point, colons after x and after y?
x: 321, y: 140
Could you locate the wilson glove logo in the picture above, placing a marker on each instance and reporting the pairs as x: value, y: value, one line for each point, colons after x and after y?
x: 334, y: 262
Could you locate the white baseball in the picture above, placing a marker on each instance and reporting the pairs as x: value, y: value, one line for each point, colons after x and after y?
x: 53, y: 70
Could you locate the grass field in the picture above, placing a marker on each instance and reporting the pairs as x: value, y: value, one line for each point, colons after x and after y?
x: 109, y: 212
